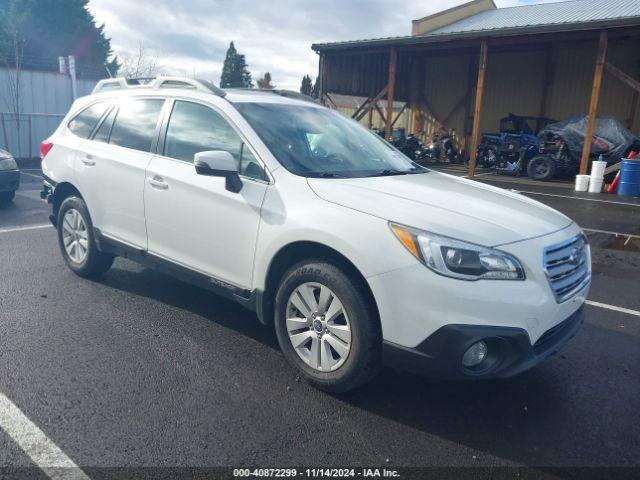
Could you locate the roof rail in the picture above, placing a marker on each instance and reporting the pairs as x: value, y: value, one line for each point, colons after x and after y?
x: 293, y: 94
x: 278, y: 91
x: 156, y: 83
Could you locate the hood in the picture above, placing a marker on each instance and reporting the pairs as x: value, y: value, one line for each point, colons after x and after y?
x: 446, y: 205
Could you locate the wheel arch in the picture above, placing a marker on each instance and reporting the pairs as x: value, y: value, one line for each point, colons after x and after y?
x: 305, y: 250
x: 63, y: 190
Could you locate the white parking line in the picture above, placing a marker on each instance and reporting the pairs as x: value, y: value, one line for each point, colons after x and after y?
x: 628, y: 311
x: 576, y: 198
x: 44, y: 453
x: 24, y: 229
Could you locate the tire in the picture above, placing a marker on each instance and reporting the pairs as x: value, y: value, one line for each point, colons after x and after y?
x: 74, y: 226
x: 542, y: 168
x: 6, y: 198
x: 336, y: 369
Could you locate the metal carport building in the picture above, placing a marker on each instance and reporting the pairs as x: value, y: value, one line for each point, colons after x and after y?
x: 467, y: 67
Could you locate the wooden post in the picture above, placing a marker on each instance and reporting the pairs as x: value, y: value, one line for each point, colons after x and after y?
x: 370, y: 115
x: 475, y: 134
x: 593, y: 106
x: 393, y: 58
x: 322, y: 77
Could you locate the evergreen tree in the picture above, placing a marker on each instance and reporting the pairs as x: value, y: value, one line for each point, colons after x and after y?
x: 315, y: 90
x: 307, y: 86
x: 265, y: 82
x: 235, y: 73
x: 55, y: 28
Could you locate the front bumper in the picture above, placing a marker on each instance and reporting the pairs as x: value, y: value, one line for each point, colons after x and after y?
x: 9, y: 180
x: 510, y: 350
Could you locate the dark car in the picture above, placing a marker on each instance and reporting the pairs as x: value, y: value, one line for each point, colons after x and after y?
x: 9, y: 177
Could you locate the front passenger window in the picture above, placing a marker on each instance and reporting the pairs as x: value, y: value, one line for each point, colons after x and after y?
x: 197, y: 128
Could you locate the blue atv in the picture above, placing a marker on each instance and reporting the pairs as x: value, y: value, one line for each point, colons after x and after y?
x: 509, y: 151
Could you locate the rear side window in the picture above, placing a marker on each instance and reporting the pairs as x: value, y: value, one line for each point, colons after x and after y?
x: 83, y: 124
x: 135, y: 124
x: 196, y: 128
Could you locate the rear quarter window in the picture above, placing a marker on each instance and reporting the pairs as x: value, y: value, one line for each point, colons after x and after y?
x: 83, y: 123
x: 135, y: 124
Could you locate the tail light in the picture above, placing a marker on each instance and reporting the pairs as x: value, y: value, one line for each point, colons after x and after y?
x: 45, y: 147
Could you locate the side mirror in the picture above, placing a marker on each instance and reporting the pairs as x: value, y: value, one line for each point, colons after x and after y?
x: 218, y: 163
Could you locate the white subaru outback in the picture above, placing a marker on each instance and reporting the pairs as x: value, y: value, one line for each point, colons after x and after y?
x: 358, y: 256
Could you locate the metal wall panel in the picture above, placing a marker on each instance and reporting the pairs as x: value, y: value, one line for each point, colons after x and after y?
x: 45, y: 98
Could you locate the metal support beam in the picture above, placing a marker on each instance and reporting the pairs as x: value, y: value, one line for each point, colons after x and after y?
x: 475, y: 134
x: 595, y: 97
x: 393, y: 59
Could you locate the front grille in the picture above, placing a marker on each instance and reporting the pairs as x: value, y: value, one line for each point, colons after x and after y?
x: 568, y: 267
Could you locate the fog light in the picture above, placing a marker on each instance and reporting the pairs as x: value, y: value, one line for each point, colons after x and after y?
x: 475, y: 354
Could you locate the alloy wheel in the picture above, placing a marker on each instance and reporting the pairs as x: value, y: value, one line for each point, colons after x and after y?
x: 318, y: 327
x: 75, y: 236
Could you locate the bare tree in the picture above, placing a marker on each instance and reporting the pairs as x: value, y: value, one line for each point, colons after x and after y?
x: 13, y: 21
x: 141, y: 65
x: 265, y: 82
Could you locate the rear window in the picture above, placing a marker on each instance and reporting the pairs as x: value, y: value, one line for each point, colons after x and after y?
x: 83, y: 124
x: 135, y: 124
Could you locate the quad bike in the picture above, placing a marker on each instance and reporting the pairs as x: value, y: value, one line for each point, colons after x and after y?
x: 517, y: 136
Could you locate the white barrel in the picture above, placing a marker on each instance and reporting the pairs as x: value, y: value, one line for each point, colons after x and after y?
x: 582, y: 183
x: 597, y: 169
x: 595, y: 185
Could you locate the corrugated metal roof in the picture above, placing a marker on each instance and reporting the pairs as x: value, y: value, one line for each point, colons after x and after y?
x: 560, y: 16
x: 575, y: 11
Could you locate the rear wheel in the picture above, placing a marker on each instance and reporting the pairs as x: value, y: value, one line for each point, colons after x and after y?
x: 326, y: 328
x: 541, y: 168
x: 6, y: 197
x: 77, y: 242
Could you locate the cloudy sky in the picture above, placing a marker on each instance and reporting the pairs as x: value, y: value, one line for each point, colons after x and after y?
x: 191, y: 36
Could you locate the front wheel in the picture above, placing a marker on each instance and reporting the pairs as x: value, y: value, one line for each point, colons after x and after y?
x: 326, y: 327
x: 541, y: 168
x: 77, y: 242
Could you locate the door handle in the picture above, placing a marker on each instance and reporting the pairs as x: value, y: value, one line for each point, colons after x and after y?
x: 158, y: 182
x: 88, y: 160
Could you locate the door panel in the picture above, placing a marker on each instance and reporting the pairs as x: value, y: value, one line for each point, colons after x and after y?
x: 111, y: 179
x: 194, y: 221
x: 111, y: 169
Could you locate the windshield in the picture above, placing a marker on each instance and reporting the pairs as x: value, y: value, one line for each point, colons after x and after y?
x: 317, y: 142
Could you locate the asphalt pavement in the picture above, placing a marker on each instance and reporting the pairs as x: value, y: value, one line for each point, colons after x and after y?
x: 140, y: 370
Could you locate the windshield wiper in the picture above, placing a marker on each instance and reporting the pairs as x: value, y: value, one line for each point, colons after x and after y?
x: 389, y: 173
x: 324, y: 175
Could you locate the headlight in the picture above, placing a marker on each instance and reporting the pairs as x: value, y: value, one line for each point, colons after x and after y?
x: 458, y: 259
x: 8, y: 164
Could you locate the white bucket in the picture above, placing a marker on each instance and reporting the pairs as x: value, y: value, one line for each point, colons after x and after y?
x: 582, y: 183
x: 595, y: 185
x: 597, y: 169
